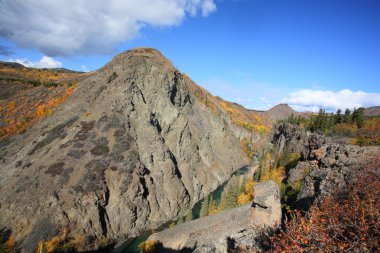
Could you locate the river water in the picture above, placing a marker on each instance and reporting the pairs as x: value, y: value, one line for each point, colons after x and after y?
x: 131, y: 245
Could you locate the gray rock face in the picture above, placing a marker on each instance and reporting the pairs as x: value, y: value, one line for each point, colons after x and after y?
x: 267, y: 205
x: 324, y: 166
x: 219, y: 232
x: 127, y: 151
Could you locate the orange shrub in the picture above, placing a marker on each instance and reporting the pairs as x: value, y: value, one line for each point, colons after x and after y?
x: 348, y: 221
x: 17, y: 116
x: 247, y: 195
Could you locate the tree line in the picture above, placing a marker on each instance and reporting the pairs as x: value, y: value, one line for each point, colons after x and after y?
x: 323, y: 121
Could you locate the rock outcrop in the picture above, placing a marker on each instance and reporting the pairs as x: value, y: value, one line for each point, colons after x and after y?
x: 324, y: 165
x: 267, y: 205
x: 220, y: 232
x: 129, y: 149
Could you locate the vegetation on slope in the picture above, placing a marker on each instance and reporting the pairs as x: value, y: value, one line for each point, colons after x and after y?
x: 7, y: 240
x: 29, y: 94
x: 20, y: 113
x: 347, y: 221
x: 355, y: 125
x: 239, y: 116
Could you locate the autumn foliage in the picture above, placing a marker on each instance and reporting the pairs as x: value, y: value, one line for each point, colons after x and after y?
x: 238, y: 115
x: 248, y: 194
x: 348, y: 221
x: 29, y: 94
x: 62, y: 243
x: 148, y: 246
x: 7, y: 241
x: 19, y: 114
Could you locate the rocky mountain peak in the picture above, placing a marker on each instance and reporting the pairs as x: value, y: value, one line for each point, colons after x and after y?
x: 282, y: 107
x: 141, y: 54
x: 280, y: 112
x: 129, y: 149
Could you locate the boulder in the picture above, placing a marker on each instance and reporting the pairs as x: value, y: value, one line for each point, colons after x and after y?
x: 266, y: 204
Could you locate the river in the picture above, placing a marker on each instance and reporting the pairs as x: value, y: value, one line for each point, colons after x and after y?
x: 131, y: 245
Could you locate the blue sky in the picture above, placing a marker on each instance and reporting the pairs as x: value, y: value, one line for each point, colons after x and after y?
x: 309, y: 53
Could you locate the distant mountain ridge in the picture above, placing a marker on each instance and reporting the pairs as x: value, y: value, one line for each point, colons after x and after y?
x: 278, y: 112
x: 372, y: 111
x: 17, y: 65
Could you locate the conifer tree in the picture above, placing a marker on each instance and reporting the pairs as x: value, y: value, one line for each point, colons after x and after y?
x: 338, y: 116
x: 180, y: 220
x: 213, y: 207
x: 230, y: 194
x: 347, y: 116
x: 204, y: 207
x: 189, y: 216
x: 358, y: 117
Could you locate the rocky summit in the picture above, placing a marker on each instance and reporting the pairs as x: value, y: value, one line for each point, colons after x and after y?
x: 128, y: 150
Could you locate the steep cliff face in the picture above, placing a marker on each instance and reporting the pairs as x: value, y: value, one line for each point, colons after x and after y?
x: 129, y: 149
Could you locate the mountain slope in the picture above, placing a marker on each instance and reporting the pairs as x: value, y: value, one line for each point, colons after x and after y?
x: 278, y: 112
x: 372, y: 111
x: 130, y: 148
x: 28, y: 94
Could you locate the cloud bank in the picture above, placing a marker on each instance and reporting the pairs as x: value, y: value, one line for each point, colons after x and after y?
x: 44, y: 62
x: 68, y: 27
x: 313, y: 100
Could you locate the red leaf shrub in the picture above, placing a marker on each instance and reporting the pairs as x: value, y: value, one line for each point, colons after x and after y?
x: 348, y: 221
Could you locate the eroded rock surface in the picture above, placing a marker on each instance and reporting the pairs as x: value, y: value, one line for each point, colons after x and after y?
x: 128, y: 150
x: 267, y: 205
x: 324, y: 165
x: 220, y: 232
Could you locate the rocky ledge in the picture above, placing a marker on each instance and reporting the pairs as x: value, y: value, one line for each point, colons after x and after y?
x: 222, y: 231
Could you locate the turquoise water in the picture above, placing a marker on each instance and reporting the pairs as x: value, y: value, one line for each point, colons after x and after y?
x: 217, y: 194
x: 132, y: 244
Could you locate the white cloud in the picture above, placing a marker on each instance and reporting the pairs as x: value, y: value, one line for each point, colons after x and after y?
x: 84, y: 68
x: 313, y: 100
x: 301, y: 108
x: 208, y: 6
x: 67, y: 27
x: 44, y: 62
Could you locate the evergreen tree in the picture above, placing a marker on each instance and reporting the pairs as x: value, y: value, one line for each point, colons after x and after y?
x: 204, y: 207
x: 338, y: 116
x: 358, y: 117
x: 329, y: 121
x: 213, y: 207
x: 243, y: 184
x: 319, y: 121
x: 324, y: 120
x: 189, y: 216
x: 223, y: 201
x: 210, y: 203
x: 257, y: 174
x: 291, y: 119
x: 230, y: 194
x: 311, y: 123
x: 347, y: 116
x: 180, y: 220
